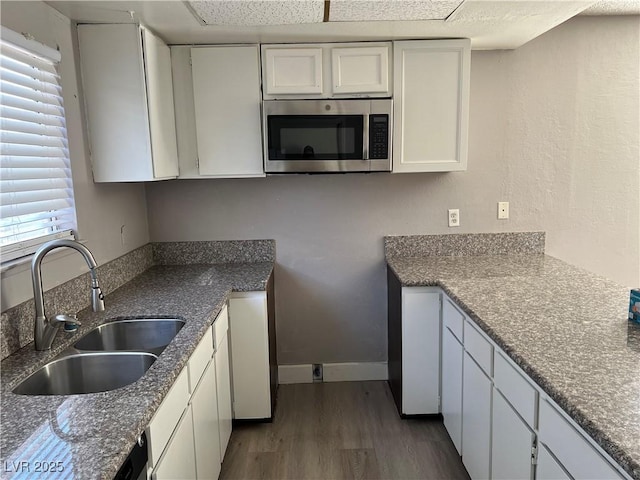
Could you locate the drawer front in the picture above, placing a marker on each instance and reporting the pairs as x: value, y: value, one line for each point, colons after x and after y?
x: 453, y: 319
x: 570, y: 447
x: 200, y: 359
x: 478, y: 347
x: 220, y: 326
x: 166, y: 418
x: 518, y: 391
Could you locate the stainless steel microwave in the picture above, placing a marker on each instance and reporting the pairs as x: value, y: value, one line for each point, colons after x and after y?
x: 316, y: 136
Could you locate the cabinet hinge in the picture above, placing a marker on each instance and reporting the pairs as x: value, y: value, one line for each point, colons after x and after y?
x: 534, y: 454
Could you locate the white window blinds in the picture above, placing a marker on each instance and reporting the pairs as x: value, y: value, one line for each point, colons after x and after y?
x: 36, y: 191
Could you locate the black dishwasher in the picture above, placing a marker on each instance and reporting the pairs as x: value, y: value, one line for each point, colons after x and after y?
x: 135, y: 466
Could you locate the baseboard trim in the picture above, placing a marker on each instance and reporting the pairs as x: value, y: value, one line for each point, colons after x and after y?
x: 334, y: 372
x: 288, y: 374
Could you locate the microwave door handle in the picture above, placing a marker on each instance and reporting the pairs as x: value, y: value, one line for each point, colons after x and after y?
x: 365, y: 138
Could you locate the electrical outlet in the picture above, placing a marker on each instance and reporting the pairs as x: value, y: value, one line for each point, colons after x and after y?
x: 454, y: 217
x: 317, y: 372
x: 503, y: 210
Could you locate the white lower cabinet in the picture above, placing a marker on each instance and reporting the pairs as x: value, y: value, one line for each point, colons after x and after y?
x: 204, y: 404
x: 178, y: 460
x: 502, y: 423
x: 420, y: 350
x: 249, y: 327
x: 189, y: 433
x: 511, y: 443
x: 167, y: 417
x: 452, y: 354
x: 571, y: 449
x: 476, y: 420
x: 548, y: 467
x: 223, y: 387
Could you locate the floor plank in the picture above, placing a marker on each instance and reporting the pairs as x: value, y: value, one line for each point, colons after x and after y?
x: 342, y: 430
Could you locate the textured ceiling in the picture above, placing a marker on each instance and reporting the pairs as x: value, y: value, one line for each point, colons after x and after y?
x: 490, y: 24
x: 377, y: 10
x: 258, y: 12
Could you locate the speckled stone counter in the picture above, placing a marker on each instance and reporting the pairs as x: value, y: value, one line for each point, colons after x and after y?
x: 565, y: 327
x: 92, y: 434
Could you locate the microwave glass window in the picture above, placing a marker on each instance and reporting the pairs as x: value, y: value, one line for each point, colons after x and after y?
x: 315, y: 137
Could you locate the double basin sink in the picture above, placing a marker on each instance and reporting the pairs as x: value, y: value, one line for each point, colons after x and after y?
x: 110, y: 356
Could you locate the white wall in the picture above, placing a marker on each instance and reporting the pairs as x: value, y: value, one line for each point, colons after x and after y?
x: 554, y: 130
x: 101, y: 209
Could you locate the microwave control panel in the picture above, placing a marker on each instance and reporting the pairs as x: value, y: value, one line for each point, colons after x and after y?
x: 378, y: 136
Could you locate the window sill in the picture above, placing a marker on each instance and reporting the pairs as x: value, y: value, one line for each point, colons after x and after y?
x: 21, y: 264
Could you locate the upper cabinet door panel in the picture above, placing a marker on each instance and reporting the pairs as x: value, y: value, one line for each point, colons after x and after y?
x: 360, y: 70
x: 113, y: 83
x: 431, y: 102
x: 226, y: 89
x: 162, y: 120
x: 292, y: 71
x: 129, y: 103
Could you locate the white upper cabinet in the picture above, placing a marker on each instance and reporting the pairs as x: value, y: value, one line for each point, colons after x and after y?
x: 128, y: 92
x: 217, y: 103
x: 293, y: 71
x: 360, y: 69
x: 226, y: 92
x: 326, y: 70
x: 431, y: 105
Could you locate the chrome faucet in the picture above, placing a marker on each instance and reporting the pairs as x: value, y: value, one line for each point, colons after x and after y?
x: 45, y: 330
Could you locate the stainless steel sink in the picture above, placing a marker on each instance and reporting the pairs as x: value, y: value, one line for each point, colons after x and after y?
x: 87, y: 373
x: 148, y: 334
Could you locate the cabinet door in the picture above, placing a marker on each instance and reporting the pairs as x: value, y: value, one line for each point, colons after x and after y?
x: 223, y: 390
x: 511, y: 443
x: 250, y: 355
x: 226, y: 90
x: 420, y: 350
x: 162, y: 119
x: 476, y: 420
x: 206, y: 427
x: 129, y: 103
x: 292, y: 71
x: 360, y: 70
x: 570, y: 446
x: 548, y: 467
x: 431, y: 103
x: 178, y: 460
x: 452, y: 354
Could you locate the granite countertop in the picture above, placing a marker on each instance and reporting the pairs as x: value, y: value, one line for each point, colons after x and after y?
x: 92, y: 434
x: 565, y: 327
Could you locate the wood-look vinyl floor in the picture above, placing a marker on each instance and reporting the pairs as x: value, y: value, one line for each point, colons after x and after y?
x: 345, y: 430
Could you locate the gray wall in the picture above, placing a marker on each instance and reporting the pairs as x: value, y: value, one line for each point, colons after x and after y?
x: 553, y: 130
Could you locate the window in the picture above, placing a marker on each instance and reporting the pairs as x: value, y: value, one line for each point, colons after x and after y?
x: 36, y: 191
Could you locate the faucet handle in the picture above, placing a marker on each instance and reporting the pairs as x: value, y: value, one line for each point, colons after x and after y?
x: 71, y: 322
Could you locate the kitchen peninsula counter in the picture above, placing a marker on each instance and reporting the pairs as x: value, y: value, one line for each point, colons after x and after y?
x: 565, y: 327
x: 92, y: 434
